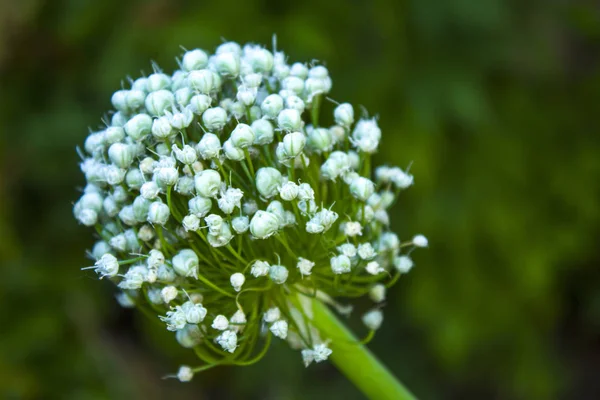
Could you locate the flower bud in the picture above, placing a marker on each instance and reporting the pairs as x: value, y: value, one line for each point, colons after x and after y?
x: 279, y: 329
x: 344, y: 115
x: 187, y: 155
x: 141, y: 207
x: 272, y: 105
x: 237, y: 281
x: 166, y: 176
x: 228, y: 341
x: 162, y: 128
x: 100, y: 248
x: 373, y: 319
x: 260, y: 268
x: 366, y: 251
x: 268, y: 181
x: 194, y: 60
x: 300, y: 70
x: 168, y: 294
x: 320, y: 140
x: 158, y: 81
x: 134, y: 179
x: 189, y: 337
x: 252, y: 80
x: 403, y: 264
x: 289, y: 191
x: 180, y: 119
x: 199, y: 103
x: 305, y: 266
x: 240, y: 224
x: 114, y: 134
x: 246, y: 95
x: 209, y: 146
x: 186, y: 263
x: 340, y: 264
x: 264, y: 224
x: 158, y: 213
x: 293, y: 144
x: 293, y: 84
x: 295, y: 103
x: 232, y: 152
x: 420, y: 241
x: 208, y: 183
x: 289, y: 120
x: 158, y: 102
x: 107, y: 265
x: 199, y: 206
x: 201, y: 81
x: 119, y: 100
x: 242, y: 136
x: 214, y: 119
x: 191, y: 223
x: 278, y: 274
x: 374, y: 268
x: 227, y: 64
x: 120, y: 154
x: 362, y: 188
x: 377, y: 293
x: 263, y: 132
x: 194, y: 313
x: 114, y: 175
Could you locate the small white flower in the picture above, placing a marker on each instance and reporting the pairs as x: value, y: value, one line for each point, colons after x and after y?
x: 344, y: 115
x: 199, y: 206
x: 340, y: 264
x: 289, y: 191
x: 362, y: 188
x: 260, y: 268
x: 240, y: 224
x: 186, y: 263
x: 374, y: 268
x: 168, y: 293
x: 175, y: 319
x: 352, y: 229
x: 278, y: 273
x: 228, y: 341
x: 214, y: 119
x: 191, y: 223
x: 220, y: 323
x: 107, y: 265
x: 305, y: 266
x: 158, y: 213
x: 237, y: 281
x: 208, y: 183
x: 289, y: 120
x: 403, y: 264
x: 264, y: 224
x: 279, y: 329
x: 272, y: 105
x: 272, y: 315
x: 268, y: 181
x: 194, y: 313
x: 373, y: 319
x: 209, y: 146
x: 305, y: 192
x: 420, y: 241
x: 366, y: 251
x: 293, y: 144
x: 377, y: 293
x: 347, y: 249
x: 242, y: 136
x: 185, y: 374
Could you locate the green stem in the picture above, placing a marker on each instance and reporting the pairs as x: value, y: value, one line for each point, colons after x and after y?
x: 356, y: 361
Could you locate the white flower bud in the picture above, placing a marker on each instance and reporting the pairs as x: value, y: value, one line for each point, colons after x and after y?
x: 293, y: 84
x: 237, y: 281
x: 373, y: 319
x: 209, y: 146
x: 158, y: 213
x: 134, y: 179
x: 119, y: 101
x: 158, y: 81
x: 232, y: 152
x: 336, y: 165
x: 166, y: 176
x: 185, y: 374
x: 227, y: 64
x: 275, y: 207
x: 365, y: 214
x: 403, y: 264
x: 321, y: 352
x: 107, y: 265
x: 272, y: 105
x: 366, y: 251
x: 194, y: 60
x: 214, y: 119
x: 373, y: 268
x: 189, y: 337
x: 199, y: 103
x: 100, y: 248
x: 295, y: 103
x: 134, y: 278
x: 366, y: 135
x: 293, y: 144
x: 242, y: 136
x: 344, y: 115
x: 340, y: 264
x: 362, y: 188
x: 222, y: 238
x: 114, y: 134
x: 320, y: 140
x: 289, y: 191
x: 161, y: 128
x: 146, y: 233
x: 168, y: 294
x: 263, y: 132
x: 228, y: 341
x: 191, y: 223
x: 259, y: 268
x: 186, y: 263
x: 181, y: 119
x: 377, y: 293
x: 279, y: 329
x: 220, y: 323
x: 347, y: 249
x: 305, y: 266
x: 272, y: 315
x: 127, y: 215
x: 420, y: 241
x: 199, y: 206
x: 278, y: 274
x: 264, y: 224
x: 300, y: 70
x: 201, y: 81
x: 194, y: 313
x: 240, y: 224
x: 289, y: 120
x: 208, y: 183
x: 352, y: 229
x: 149, y: 190
x: 246, y: 95
x: 305, y: 192
x: 214, y: 223
x: 159, y: 101
x: 147, y: 165
x: 183, y: 96
x: 187, y: 155
x: 268, y: 181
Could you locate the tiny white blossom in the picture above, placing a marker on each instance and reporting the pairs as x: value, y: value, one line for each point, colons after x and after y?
x: 185, y: 374
x: 260, y: 268
x: 366, y: 251
x: 168, y: 293
x: 374, y: 268
x: 403, y: 264
x: 279, y: 329
x: 228, y: 340
x: 352, y: 229
x: 373, y: 319
x: 237, y: 281
x: 272, y: 315
x: 305, y: 266
x: 220, y: 322
x: 420, y: 241
x: 377, y: 293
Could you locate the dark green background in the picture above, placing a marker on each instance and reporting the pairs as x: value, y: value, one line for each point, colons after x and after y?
x: 497, y: 104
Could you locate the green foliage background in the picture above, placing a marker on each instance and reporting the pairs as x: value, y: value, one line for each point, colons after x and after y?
x: 496, y: 102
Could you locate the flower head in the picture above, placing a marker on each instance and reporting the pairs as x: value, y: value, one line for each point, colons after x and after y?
x: 216, y: 193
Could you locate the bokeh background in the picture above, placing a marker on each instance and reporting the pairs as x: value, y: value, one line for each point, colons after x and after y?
x: 495, y: 102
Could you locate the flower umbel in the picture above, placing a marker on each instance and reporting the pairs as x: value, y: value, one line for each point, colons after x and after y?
x: 222, y: 203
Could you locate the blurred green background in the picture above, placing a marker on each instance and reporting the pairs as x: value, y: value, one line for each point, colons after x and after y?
x: 496, y: 102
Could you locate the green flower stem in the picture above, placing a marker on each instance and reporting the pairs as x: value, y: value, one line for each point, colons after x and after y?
x: 356, y: 361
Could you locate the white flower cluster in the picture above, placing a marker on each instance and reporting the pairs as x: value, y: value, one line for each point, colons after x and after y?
x: 219, y: 200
